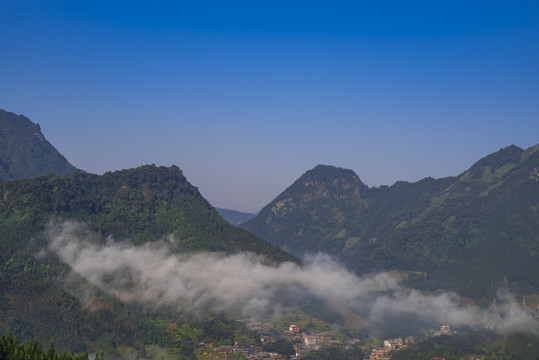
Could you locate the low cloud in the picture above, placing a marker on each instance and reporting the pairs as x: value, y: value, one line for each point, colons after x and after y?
x: 154, y: 275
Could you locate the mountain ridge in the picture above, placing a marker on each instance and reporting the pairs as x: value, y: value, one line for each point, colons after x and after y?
x: 235, y: 217
x: 142, y: 204
x: 430, y: 225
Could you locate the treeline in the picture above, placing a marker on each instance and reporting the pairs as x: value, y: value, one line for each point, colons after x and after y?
x: 32, y: 350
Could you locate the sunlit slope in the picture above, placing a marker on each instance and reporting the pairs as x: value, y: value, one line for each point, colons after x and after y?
x: 474, y: 232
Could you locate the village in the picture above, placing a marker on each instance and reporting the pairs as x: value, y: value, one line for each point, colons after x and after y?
x: 305, y: 341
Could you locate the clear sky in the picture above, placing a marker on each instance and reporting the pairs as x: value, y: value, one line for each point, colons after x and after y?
x: 245, y: 96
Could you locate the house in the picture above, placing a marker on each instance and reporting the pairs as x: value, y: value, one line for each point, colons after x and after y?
x: 288, y: 334
x: 294, y: 328
x: 378, y: 354
x: 206, y: 343
x: 355, y: 342
x: 254, y: 326
x: 261, y: 355
x: 243, y: 348
x: 301, y: 350
x: 325, y: 336
x: 389, y: 345
x: 224, y: 349
x: 334, y: 343
x: 309, y: 340
x: 393, y: 344
x: 410, y: 340
x: 444, y: 330
x: 266, y: 338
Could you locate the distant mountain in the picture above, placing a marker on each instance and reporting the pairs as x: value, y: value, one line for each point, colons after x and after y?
x: 473, y: 233
x: 234, y: 217
x: 24, y: 151
x: 144, y: 205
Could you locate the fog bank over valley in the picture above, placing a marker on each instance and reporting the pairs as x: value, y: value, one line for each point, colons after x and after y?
x: 155, y: 275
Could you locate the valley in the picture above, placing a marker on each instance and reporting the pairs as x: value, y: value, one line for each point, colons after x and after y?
x: 136, y: 263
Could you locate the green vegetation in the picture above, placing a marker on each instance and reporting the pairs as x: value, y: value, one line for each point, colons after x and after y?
x: 481, y: 344
x: 42, y: 299
x: 11, y: 349
x: 334, y: 352
x: 306, y: 322
x: 143, y: 204
x: 281, y: 346
x: 24, y: 151
x: 472, y: 234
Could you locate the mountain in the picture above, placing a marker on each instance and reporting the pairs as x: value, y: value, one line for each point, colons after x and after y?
x: 305, y: 215
x: 234, y: 217
x: 473, y: 233
x: 38, y: 297
x: 24, y: 151
x: 142, y: 204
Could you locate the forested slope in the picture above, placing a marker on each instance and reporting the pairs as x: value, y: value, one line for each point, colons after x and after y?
x: 39, y: 297
x: 473, y: 233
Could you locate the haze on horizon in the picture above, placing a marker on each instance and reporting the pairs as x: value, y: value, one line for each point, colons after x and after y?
x: 246, y: 96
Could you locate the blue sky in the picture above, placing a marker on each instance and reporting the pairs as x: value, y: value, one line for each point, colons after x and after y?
x: 245, y: 96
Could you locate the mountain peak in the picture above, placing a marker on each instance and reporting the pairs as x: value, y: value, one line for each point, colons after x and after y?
x: 25, y: 152
x: 508, y: 154
x: 493, y: 167
x: 332, y: 175
x: 321, y: 194
x: 331, y: 171
x: 325, y: 181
